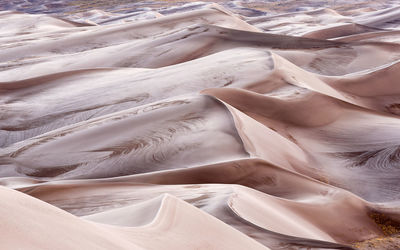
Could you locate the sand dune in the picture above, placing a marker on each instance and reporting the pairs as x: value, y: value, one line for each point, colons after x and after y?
x: 340, y: 31
x: 376, y: 89
x: 200, y: 126
x: 181, y: 129
x: 364, y: 154
x: 75, y: 231
x: 283, y: 214
x: 387, y: 18
x: 120, y: 89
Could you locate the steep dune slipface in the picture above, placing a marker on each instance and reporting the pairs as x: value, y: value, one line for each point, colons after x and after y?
x: 159, y: 136
x: 376, y: 89
x: 345, y: 59
x: 297, y: 213
x: 19, y: 24
x: 53, y: 101
x: 387, y: 18
x: 300, y: 22
x: 379, y: 36
x: 346, y: 156
x: 100, y: 37
x: 340, y: 31
x: 199, y: 129
x: 58, y: 229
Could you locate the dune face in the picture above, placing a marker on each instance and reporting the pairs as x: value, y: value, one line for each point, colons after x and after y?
x: 199, y: 125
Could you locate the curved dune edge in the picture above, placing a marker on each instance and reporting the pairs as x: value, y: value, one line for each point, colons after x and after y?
x: 252, y: 139
x: 340, y: 31
x: 363, y: 87
x: 107, y: 35
x: 317, y: 135
x: 288, y: 193
x: 178, y: 129
x: 192, y: 224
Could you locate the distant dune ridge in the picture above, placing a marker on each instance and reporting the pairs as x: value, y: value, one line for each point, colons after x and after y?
x: 200, y: 126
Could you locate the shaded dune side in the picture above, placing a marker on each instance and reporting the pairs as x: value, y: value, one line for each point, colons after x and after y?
x: 71, y: 231
x: 135, y: 215
x: 352, y: 150
x: 316, y: 12
x: 190, y: 18
x: 340, y: 31
x: 378, y: 90
x: 277, y: 72
x: 291, y: 211
x: 14, y: 23
x: 254, y: 173
x: 351, y: 58
x: 53, y: 101
x: 319, y: 22
x: 336, y: 151
x: 68, y: 107
x: 97, y: 37
x: 386, y: 18
x: 182, y: 45
x: 291, y: 112
x: 45, y: 80
x: 382, y: 36
x: 282, y: 69
x: 374, y: 89
x: 175, y: 134
x: 203, y: 40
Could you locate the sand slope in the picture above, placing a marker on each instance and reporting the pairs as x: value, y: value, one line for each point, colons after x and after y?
x: 69, y: 231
